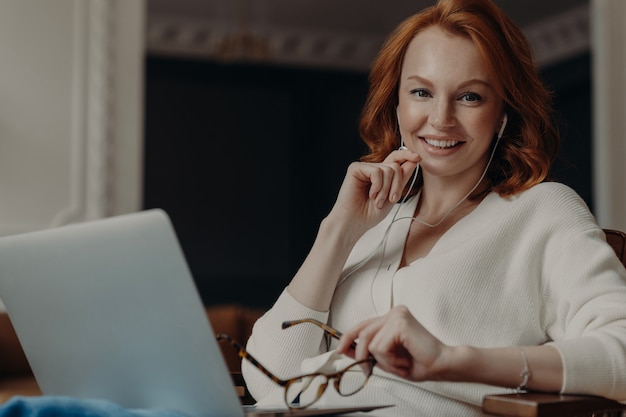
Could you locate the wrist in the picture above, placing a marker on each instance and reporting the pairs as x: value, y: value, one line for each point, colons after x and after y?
x: 456, y: 364
x: 346, y: 230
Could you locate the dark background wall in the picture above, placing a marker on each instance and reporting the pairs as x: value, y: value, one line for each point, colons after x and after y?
x: 570, y: 82
x: 248, y: 159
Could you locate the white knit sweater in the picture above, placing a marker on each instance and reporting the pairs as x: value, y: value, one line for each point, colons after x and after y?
x: 526, y: 270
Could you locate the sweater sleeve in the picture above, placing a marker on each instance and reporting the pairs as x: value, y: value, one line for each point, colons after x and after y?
x: 586, y: 315
x: 281, y: 351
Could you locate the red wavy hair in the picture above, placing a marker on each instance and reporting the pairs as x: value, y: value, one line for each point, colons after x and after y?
x: 531, y: 140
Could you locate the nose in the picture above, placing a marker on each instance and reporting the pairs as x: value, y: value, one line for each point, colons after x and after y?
x: 442, y: 115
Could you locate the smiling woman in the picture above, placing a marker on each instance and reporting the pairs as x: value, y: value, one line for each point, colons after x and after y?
x: 448, y: 254
x: 449, y: 117
x: 504, y: 70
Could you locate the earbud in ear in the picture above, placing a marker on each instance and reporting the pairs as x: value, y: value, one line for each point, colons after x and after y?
x: 503, y: 125
x: 402, y: 147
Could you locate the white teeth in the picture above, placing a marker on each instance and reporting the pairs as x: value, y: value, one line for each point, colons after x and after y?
x: 441, y: 143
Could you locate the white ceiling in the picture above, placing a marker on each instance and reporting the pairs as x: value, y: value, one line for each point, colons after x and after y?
x: 335, y: 32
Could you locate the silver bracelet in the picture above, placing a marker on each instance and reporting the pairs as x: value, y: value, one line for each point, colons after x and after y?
x: 525, y: 374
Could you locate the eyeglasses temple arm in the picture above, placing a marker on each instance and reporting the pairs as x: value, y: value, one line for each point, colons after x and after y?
x: 325, y: 327
x: 245, y: 355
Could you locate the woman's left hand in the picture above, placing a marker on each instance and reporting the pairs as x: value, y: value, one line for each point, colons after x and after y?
x: 400, y: 345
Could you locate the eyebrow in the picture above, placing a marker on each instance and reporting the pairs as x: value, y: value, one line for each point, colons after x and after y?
x: 462, y: 85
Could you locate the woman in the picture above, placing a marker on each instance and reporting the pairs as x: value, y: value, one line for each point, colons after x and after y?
x: 475, y: 277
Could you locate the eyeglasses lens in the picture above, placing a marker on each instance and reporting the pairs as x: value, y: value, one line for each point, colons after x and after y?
x: 354, y: 378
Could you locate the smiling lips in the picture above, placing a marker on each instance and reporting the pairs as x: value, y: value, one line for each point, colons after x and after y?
x: 443, y: 144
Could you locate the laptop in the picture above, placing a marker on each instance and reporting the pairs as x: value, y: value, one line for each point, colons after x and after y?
x: 108, y: 309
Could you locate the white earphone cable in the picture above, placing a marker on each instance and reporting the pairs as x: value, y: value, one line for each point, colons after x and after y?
x: 383, y: 241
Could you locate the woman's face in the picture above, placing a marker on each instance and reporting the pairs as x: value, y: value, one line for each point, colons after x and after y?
x: 448, y: 111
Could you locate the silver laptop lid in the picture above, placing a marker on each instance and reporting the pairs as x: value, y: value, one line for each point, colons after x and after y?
x: 108, y: 309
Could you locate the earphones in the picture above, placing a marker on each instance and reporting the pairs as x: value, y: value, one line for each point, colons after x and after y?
x: 382, y: 245
x: 402, y: 147
x: 505, y: 119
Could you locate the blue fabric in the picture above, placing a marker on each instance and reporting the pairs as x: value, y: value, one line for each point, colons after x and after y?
x: 53, y: 406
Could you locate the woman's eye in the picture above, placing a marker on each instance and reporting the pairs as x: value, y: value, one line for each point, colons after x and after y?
x: 420, y: 92
x: 471, y: 97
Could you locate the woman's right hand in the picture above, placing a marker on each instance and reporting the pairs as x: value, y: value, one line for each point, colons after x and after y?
x: 400, y: 345
x: 370, y: 190
x: 367, y: 194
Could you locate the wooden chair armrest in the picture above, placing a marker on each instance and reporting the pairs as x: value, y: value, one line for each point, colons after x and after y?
x: 541, y: 405
x: 24, y: 385
x: 12, y: 358
x: 242, y: 390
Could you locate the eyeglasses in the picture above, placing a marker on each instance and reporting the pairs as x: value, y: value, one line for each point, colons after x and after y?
x: 304, y: 390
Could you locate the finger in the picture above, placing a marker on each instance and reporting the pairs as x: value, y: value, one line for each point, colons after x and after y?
x: 390, y: 354
x: 362, y: 335
x: 392, y: 176
x: 409, y: 166
x: 389, y: 351
x: 376, y: 182
x: 400, y: 368
x: 400, y: 181
x: 401, y: 156
x: 365, y: 338
x: 408, y: 162
x: 382, y: 179
x: 370, y: 177
x: 350, y: 337
x: 346, y: 345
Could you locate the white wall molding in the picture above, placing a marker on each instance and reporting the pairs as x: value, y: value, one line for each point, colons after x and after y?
x: 609, y: 127
x: 560, y: 37
x: 553, y: 39
x: 203, y: 39
x: 101, y: 91
x: 91, y: 116
x: 109, y: 146
x: 72, y: 111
